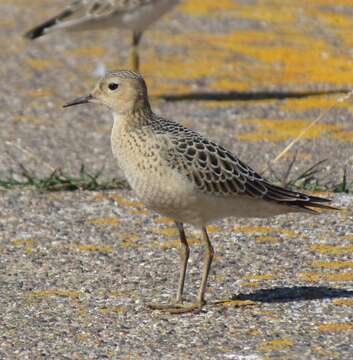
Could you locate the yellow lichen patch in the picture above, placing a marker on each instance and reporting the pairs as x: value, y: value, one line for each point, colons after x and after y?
x: 27, y: 244
x: 94, y: 52
x: 119, y: 199
x: 211, y: 229
x: 100, y: 197
x: 127, y: 236
x: 333, y: 264
x: 40, y: 93
x: 113, y: 310
x: 251, y: 284
x: 267, y: 239
x: 127, y: 245
x: 263, y: 230
x: 254, y: 332
x: 192, y: 242
x: 235, y: 303
x: 335, y: 327
x: 19, y: 242
x: 331, y: 249
x: 219, y: 278
x: 213, y: 104
x: 169, y: 232
x: 265, y: 313
x: 344, y: 136
x: 281, y: 130
x: 172, y: 244
x: 334, y: 19
x: 143, y: 212
x: 82, y: 337
x: 55, y: 196
x: 163, y: 220
x: 253, y: 229
x: 315, y: 277
x: 55, y: 293
x: 275, y: 345
x: 125, y: 202
x: 327, y: 354
x: 261, y: 49
x: 179, y: 70
x: 261, y: 277
x: 206, y: 7
x: 267, y: 13
x: 298, y: 155
x: 226, y: 83
x: 95, y: 248
x: 7, y: 23
x: 125, y: 293
x: 167, y: 245
x: 42, y: 64
x: 343, y: 302
x: 112, y: 221
x: 127, y: 240
x: 333, y: 2
x: 27, y: 119
x: 312, y: 102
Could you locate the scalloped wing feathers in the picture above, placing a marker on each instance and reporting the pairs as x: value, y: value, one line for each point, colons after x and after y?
x: 216, y: 171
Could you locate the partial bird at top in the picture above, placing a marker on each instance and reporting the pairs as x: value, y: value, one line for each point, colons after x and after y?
x: 81, y: 15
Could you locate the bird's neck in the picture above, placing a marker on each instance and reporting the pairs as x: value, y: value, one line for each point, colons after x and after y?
x: 135, y: 118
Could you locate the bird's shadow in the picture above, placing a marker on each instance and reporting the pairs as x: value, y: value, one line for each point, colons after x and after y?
x: 291, y: 294
x: 248, y: 96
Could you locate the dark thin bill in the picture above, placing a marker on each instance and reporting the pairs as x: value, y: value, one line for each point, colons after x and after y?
x: 80, y: 100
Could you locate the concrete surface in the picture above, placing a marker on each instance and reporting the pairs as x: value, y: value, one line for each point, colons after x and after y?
x: 77, y: 268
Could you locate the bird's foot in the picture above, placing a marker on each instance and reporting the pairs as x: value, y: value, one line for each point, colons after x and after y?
x: 176, y: 308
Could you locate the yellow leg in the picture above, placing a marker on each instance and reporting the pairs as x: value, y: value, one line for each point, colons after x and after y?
x: 178, y: 307
x: 184, y: 257
x: 206, y: 268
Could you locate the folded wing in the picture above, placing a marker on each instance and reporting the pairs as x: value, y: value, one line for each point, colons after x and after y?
x: 216, y: 171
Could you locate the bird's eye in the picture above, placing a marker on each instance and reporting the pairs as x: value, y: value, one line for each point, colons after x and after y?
x: 113, y: 86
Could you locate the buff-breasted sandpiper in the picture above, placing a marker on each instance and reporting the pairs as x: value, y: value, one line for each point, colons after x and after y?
x: 183, y: 175
x: 134, y: 15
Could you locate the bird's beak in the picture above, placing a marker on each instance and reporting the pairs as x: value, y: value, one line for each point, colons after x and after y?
x: 81, y: 100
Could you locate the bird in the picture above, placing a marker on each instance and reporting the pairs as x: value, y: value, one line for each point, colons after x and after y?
x: 183, y: 175
x: 81, y: 15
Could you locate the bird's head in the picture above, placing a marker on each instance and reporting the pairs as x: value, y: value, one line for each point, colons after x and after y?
x: 122, y: 91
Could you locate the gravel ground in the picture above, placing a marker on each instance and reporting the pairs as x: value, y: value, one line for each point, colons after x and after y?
x: 78, y: 268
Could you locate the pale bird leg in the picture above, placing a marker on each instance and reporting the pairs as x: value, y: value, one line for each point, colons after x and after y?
x: 207, y: 265
x: 184, y: 256
x: 134, y: 56
x: 179, y: 307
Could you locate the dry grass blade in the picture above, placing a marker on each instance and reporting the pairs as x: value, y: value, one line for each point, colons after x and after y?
x: 342, y: 99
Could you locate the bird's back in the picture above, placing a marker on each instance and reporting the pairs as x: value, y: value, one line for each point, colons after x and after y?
x: 81, y: 15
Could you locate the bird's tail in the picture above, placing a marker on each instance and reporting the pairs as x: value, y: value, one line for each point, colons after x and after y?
x: 318, y: 203
x: 43, y: 28
x: 297, y: 199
